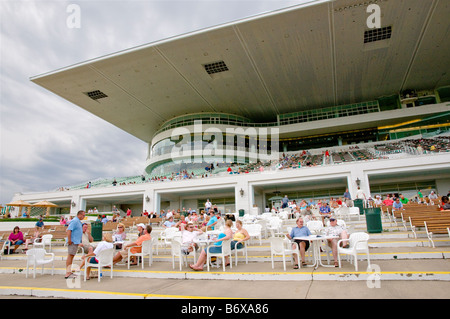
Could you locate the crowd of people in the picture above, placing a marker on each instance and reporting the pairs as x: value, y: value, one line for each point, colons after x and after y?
x: 191, y: 225
x: 304, y: 158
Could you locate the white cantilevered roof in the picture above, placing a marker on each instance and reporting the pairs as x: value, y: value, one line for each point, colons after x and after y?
x: 304, y: 57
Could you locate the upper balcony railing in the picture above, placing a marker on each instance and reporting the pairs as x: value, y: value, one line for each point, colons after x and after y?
x: 283, y: 119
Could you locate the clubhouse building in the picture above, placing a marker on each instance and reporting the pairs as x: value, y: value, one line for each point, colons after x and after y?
x: 306, y: 101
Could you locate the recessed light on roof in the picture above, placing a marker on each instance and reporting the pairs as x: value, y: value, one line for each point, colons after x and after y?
x: 377, y: 34
x: 95, y: 95
x: 215, y: 67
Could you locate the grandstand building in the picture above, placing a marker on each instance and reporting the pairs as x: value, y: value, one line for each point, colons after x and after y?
x: 305, y: 101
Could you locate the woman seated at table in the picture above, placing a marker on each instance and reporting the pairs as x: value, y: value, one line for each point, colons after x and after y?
x: 239, y: 236
x: 120, y: 235
x: 37, y: 234
x: 303, y: 245
x: 227, y: 234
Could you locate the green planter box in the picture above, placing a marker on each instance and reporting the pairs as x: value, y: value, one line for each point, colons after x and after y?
x: 373, y: 220
x: 359, y: 203
x: 97, y: 231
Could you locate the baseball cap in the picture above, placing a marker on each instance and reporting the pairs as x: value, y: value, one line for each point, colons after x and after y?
x: 141, y: 225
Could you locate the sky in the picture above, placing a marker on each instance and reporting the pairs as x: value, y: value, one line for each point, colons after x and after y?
x: 47, y: 142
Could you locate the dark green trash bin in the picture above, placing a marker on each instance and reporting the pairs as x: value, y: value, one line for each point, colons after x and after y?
x: 241, y: 213
x: 373, y: 220
x: 97, y: 230
x: 359, y: 203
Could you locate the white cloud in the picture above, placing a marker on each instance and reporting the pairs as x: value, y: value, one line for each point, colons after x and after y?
x: 47, y: 142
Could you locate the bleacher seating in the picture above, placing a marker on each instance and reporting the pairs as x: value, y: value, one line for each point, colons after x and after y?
x: 291, y: 160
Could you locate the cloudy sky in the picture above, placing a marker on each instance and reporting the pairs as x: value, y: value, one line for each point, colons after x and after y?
x: 47, y: 142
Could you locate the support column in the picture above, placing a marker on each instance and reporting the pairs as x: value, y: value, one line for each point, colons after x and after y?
x: 147, y: 202
x: 76, y: 205
x: 356, y: 174
x: 156, y: 203
x: 243, y: 201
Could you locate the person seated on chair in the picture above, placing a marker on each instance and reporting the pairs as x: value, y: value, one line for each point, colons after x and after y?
x: 181, y: 223
x: 336, y: 230
x: 303, y: 245
x: 239, y: 236
x: 214, y: 220
x: 397, y: 204
x: 86, y: 240
x: 16, y: 238
x: 324, y: 211
x: 445, y: 203
x: 136, y: 246
x: 188, y: 234
x: 141, y: 229
x: 227, y: 234
x: 106, y: 243
x: 388, y: 203
x: 37, y: 234
x: 119, y: 236
x: 40, y: 223
x: 169, y: 223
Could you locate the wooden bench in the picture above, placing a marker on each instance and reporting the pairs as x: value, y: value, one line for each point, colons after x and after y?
x: 110, y: 226
x: 157, y: 221
x: 441, y: 226
x: 435, y: 224
x: 404, y: 215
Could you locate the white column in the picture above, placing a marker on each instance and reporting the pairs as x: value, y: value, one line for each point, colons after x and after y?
x: 156, y: 202
x: 244, y: 201
x: 77, y: 204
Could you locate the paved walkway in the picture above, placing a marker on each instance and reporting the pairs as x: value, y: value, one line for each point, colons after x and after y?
x: 387, y: 280
x: 402, y: 267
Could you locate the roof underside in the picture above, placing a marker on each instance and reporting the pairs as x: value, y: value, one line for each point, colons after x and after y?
x: 305, y: 57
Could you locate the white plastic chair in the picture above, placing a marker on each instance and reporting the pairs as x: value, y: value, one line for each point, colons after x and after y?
x: 358, y: 242
x: 177, y: 251
x: 254, y: 230
x: 45, y: 240
x: 105, y: 258
x: 6, y: 246
x: 146, y: 249
x: 266, y: 216
x: 168, y: 234
x: 226, y: 251
x: 37, y: 257
x: 283, y: 215
x: 283, y: 247
x: 274, y: 226
x: 342, y: 212
x: 244, y: 252
x: 315, y: 226
x: 354, y: 211
x: 263, y: 224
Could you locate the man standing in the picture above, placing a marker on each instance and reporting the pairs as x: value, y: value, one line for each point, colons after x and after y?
x: 208, y: 205
x: 74, y: 238
x: 347, y: 198
x: 360, y: 194
x: 285, y: 202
